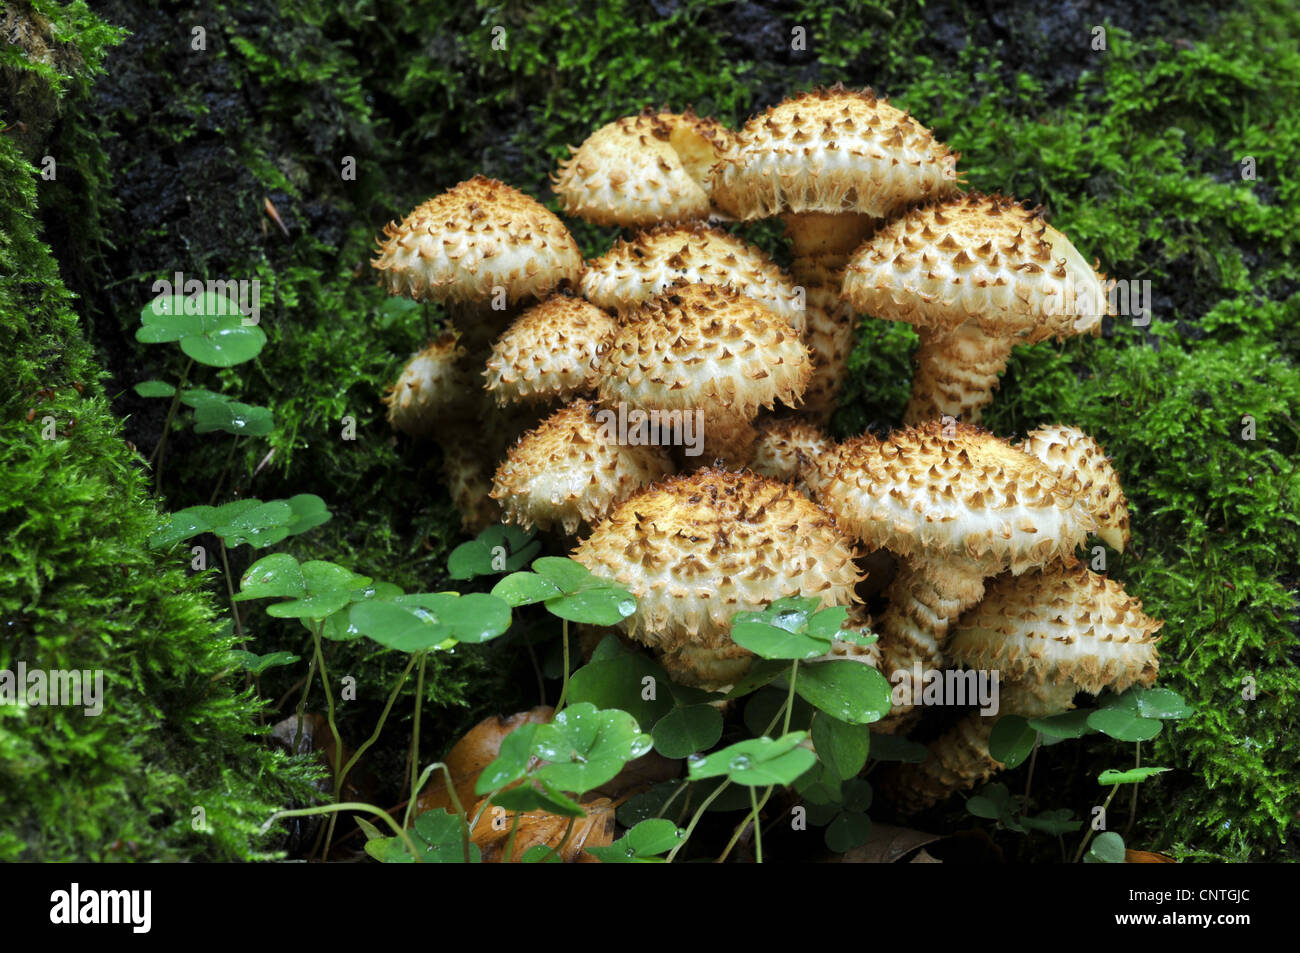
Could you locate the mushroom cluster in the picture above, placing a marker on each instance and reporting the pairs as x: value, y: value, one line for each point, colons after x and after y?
x: 663, y: 405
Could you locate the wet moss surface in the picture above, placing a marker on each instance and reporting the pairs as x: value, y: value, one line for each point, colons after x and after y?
x: 169, y: 158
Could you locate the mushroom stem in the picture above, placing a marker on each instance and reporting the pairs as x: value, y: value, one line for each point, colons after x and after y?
x: 956, y: 373
x: 925, y: 599
x: 827, y: 238
x: 960, y: 759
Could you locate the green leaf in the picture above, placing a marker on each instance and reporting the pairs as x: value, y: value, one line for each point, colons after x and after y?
x: 253, y: 522
x: 1107, y: 848
x: 154, y: 389
x: 422, y: 621
x: 232, y: 417
x: 757, y: 762
x: 841, y: 747
x: 327, y: 587
x: 587, y: 747
x: 645, y: 841
x: 224, y: 341
x: 606, y: 605
x: 1124, y: 725
x: 1163, y: 703
x: 650, y: 803
x: 508, y: 547
x: 684, y: 731
x: 183, y: 524
x: 893, y: 748
x: 309, y: 511
x: 276, y: 575
x: 848, y: 831
x: 759, y: 674
x: 1130, y: 776
x: 620, y: 682
x: 847, y: 690
x: 568, y: 575
x: 1071, y: 724
x: 198, y: 396
x: 539, y: 796
x: 822, y: 792
x: 339, y: 628
x: 772, y: 642
x: 763, y: 706
x: 209, y: 327
x: 525, y: 588
x: 440, y: 834
x: 540, y: 854
x: 511, y: 760
x: 257, y: 664
x: 1058, y: 821
x: 857, y: 795
x: 1012, y: 740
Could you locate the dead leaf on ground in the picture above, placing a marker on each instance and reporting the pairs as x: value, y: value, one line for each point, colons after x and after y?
x: 888, y: 844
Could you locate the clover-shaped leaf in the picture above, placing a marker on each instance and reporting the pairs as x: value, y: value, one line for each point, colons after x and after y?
x: 537, y: 794
x: 841, y: 747
x: 497, y: 549
x: 154, y: 389
x: 786, y: 629
x: 309, y: 511
x: 1011, y: 740
x: 1071, y: 724
x: 686, y: 730
x: 642, y: 843
x: 627, y: 681
x: 183, y: 524
x: 757, y: 762
x: 421, y: 621
x: 1124, y: 725
x: 845, y: 689
x: 511, y: 761
x: 257, y: 664
x: 568, y: 590
x: 1106, y: 848
x: 1162, y: 703
x: 210, y: 328
x: 232, y: 417
x: 315, y: 589
x: 253, y: 522
x: 587, y: 747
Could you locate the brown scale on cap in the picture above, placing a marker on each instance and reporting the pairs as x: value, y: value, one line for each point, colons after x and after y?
x: 698, y: 548
x: 705, y: 347
x: 832, y: 150
x: 959, y: 504
x: 568, y: 472
x: 549, y: 352
x: 433, y: 382
x: 1079, y: 458
x: 633, y: 271
x: 643, y: 170
x: 1050, y: 634
x: 477, y: 236
x: 975, y: 275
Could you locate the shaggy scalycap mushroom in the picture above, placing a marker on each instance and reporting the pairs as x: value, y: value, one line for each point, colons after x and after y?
x: 633, y: 271
x: 975, y: 275
x: 832, y: 150
x: 699, y: 548
x: 643, y: 170
x: 704, y: 347
x: 433, y: 382
x: 567, y: 473
x: 786, y: 447
x: 549, y: 352
x: 1077, y: 457
x: 1050, y: 634
x: 478, y: 236
x: 959, y: 504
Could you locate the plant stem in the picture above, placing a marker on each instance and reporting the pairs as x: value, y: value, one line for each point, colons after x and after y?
x: 222, y: 478
x: 1133, y: 801
x: 1033, y: 760
x: 789, y: 701
x: 699, y: 812
x: 740, y: 828
x: 415, y: 727
x: 568, y: 832
x: 564, y: 688
x: 383, y: 717
x: 167, y: 424
x: 669, y: 803
x: 334, y: 730
x: 349, y: 806
x: 302, y: 702
x: 758, y: 830
x: 230, y: 592
x: 510, y: 841
x: 1088, y: 836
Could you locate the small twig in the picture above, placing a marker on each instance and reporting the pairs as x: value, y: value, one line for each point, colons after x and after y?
x: 1133, y: 800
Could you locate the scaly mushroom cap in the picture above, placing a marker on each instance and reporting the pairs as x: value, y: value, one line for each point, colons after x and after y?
x: 832, y: 150
x: 568, y: 471
x: 698, y: 548
x: 467, y: 469
x: 981, y: 257
x: 432, y: 381
x: 704, y: 346
x: 967, y: 495
x: 1058, y: 625
x: 643, y: 170
x: 549, y: 352
x: 475, y: 237
x: 786, y: 447
x: 1078, y: 457
x: 634, y: 271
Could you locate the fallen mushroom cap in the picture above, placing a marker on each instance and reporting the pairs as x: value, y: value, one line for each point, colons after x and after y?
x: 1076, y: 456
x: 832, y: 150
x: 982, y: 258
x: 568, y: 471
x: 704, y: 347
x: 698, y: 548
x: 643, y: 170
x: 633, y: 271
x: 474, y: 238
x: 956, y: 491
x: 549, y: 352
x: 432, y: 381
x: 1058, y: 625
